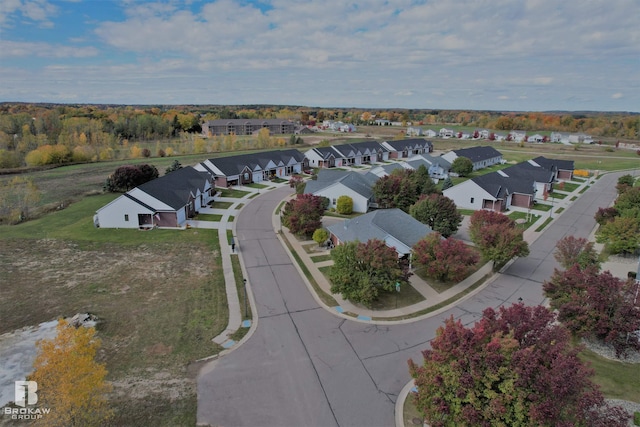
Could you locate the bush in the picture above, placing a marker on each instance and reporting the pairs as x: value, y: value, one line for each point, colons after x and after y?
x: 344, y: 205
x: 320, y: 236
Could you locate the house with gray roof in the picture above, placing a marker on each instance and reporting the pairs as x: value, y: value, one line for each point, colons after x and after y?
x: 481, y: 157
x: 332, y: 183
x: 563, y: 169
x: 253, y: 167
x: 166, y: 202
x: 404, y: 148
x: 495, y: 191
x: 437, y: 166
x: 396, y: 228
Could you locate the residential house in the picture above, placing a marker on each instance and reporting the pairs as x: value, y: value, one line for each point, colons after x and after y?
x: 167, y: 202
x: 446, y: 133
x: 414, y: 131
x: 563, y: 169
x: 481, y: 157
x: 483, y: 134
x: 247, y: 126
x: 518, y: 135
x: 372, y: 151
x: 324, y: 157
x: 396, y: 228
x: 542, y: 179
x: 437, y: 166
x: 430, y: 133
x: 254, y: 167
x: 401, y: 149
x: 493, y: 191
x: 333, y: 183
x: 535, y: 138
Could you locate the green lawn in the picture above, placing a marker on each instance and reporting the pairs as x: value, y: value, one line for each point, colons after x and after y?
x: 159, y: 309
x: 209, y: 217
x: 567, y: 186
x: 617, y: 380
x: 221, y: 205
x: 256, y: 185
x: 541, y: 207
x: 230, y: 192
x: 321, y: 258
x: 532, y: 218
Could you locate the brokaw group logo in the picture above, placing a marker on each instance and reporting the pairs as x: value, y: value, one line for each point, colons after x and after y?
x: 26, y: 394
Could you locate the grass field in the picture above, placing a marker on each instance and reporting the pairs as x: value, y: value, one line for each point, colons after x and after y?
x: 159, y: 294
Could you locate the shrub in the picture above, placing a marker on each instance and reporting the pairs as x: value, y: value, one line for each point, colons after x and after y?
x: 320, y: 236
x: 344, y: 205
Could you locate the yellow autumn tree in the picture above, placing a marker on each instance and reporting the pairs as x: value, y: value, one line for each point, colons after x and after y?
x: 70, y: 381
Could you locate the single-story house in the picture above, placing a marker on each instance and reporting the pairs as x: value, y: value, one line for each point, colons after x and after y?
x: 254, y: 167
x: 396, y: 228
x: 404, y: 148
x: 493, y: 191
x: 563, y: 169
x: 167, y: 201
x: 543, y: 179
x: 324, y: 157
x: 481, y: 157
x: 414, y: 131
x: 430, y: 133
x: 446, y: 133
x: 332, y: 183
x: 437, y: 165
x: 518, y: 135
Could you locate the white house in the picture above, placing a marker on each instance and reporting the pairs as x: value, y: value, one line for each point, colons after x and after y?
x: 430, y: 133
x: 446, y: 133
x: 414, y: 131
x: 165, y: 202
x: 335, y: 183
x: 518, y: 135
x: 481, y: 157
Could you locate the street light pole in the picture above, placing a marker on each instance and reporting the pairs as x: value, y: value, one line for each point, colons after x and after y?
x: 244, y: 281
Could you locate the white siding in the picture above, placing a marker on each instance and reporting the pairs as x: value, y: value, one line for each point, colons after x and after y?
x: 115, y: 213
x: 360, y: 203
x: 467, y: 195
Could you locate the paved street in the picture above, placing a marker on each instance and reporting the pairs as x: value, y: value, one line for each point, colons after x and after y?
x: 305, y: 366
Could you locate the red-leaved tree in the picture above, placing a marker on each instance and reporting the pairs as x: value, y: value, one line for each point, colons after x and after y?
x: 497, y: 237
x: 444, y: 259
x: 303, y: 215
x: 572, y: 251
x: 596, y: 305
x: 514, y: 367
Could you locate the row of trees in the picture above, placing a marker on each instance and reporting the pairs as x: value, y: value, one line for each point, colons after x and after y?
x: 620, y: 224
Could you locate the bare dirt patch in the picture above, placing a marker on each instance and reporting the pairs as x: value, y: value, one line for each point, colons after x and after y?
x: 159, y: 304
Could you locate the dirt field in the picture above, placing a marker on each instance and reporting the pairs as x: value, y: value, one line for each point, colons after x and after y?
x: 159, y: 295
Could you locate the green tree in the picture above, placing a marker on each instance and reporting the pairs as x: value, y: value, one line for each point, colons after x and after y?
x: 423, y: 182
x: 624, y: 183
x: 344, y: 205
x: 70, y: 381
x: 463, y: 166
x: 447, y: 183
x: 515, y: 367
x: 361, y: 271
x: 320, y: 236
x: 173, y: 167
x: 572, y: 251
x: 438, y: 212
x: 621, y: 235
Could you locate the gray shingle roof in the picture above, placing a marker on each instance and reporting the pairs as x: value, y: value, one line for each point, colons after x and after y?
x: 477, y: 154
x: 353, y: 180
x: 175, y: 188
x: 233, y: 165
x: 550, y: 163
x: 393, y: 226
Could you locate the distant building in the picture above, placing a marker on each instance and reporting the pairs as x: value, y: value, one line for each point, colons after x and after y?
x: 247, y: 127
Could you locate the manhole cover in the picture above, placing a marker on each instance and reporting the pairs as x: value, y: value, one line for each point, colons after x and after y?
x: 417, y: 421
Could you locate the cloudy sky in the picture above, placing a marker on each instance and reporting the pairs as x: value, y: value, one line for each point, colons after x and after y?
x: 529, y: 55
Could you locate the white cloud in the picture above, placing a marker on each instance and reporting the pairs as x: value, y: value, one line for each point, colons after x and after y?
x: 617, y: 95
x: 343, y: 53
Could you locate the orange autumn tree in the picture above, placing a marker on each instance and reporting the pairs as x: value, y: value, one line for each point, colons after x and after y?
x: 70, y: 381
